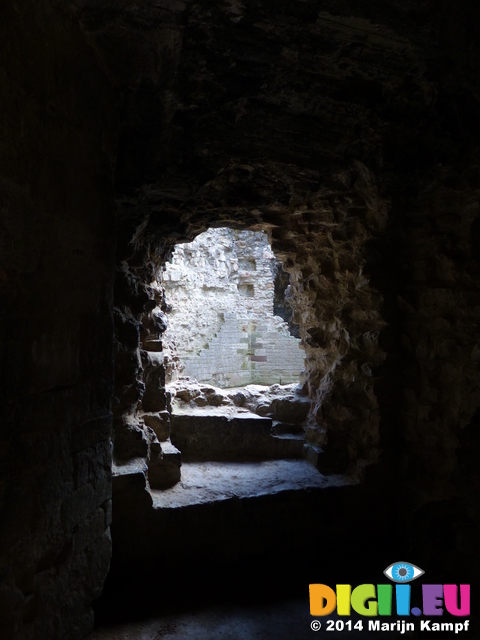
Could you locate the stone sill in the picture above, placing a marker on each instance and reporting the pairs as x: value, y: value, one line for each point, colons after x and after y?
x: 208, y: 482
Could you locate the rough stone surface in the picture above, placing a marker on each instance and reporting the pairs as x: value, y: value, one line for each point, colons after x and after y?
x: 164, y: 466
x: 348, y: 131
x: 282, y: 403
x: 220, y: 291
x: 209, y: 435
x: 234, y: 518
x: 204, y: 482
x: 270, y: 621
x: 159, y: 422
x: 57, y: 146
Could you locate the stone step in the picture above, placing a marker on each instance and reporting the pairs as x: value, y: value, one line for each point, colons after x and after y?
x: 224, y: 511
x: 287, y: 446
x: 206, y: 435
x: 212, y: 481
x: 290, y: 409
x: 282, y: 428
x: 212, y: 436
x: 313, y: 454
x: 164, y: 468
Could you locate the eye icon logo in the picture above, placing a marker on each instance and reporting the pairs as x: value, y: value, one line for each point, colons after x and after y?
x: 403, y: 572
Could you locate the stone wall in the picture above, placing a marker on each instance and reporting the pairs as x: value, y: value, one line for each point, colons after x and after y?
x: 331, y: 126
x: 246, y: 351
x: 56, y: 280
x: 349, y: 132
x: 220, y: 289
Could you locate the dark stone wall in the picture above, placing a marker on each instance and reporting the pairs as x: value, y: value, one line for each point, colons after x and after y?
x: 337, y: 127
x: 348, y: 130
x: 57, y: 143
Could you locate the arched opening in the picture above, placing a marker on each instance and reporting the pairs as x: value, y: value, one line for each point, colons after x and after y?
x: 237, y: 413
x: 257, y: 115
x: 329, y: 431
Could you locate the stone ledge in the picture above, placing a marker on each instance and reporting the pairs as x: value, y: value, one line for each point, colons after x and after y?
x: 206, y: 482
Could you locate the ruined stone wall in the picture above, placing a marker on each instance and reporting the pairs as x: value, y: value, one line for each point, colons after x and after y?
x: 248, y: 352
x: 56, y: 280
x: 220, y: 292
x: 346, y: 130
x: 271, y: 158
x: 330, y: 126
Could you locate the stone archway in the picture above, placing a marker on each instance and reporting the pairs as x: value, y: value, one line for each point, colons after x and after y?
x: 323, y: 240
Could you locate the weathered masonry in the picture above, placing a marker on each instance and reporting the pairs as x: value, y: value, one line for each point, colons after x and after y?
x: 220, y: 291
x: 348, y: 132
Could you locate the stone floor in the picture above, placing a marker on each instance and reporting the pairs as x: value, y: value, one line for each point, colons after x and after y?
x: 252, y: 561
x: 281, y: 620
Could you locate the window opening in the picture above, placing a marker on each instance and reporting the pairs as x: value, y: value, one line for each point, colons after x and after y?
x: 237, y: 414
x: 222, y: 290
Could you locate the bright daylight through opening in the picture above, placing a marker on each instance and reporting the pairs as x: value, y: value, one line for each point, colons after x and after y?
x: 233, y: 365
x: 221, y: 327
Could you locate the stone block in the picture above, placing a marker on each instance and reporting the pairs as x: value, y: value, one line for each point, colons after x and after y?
x: 281, y: 428
x: 130, y: 440
x: 290, y: 409
x: 164, y: 470
x: 130, y: 496
x: 201, y: 436
x: 312, y: 454
x: 159, y: 422
x: 152, y: 345
x: 154, y: 378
